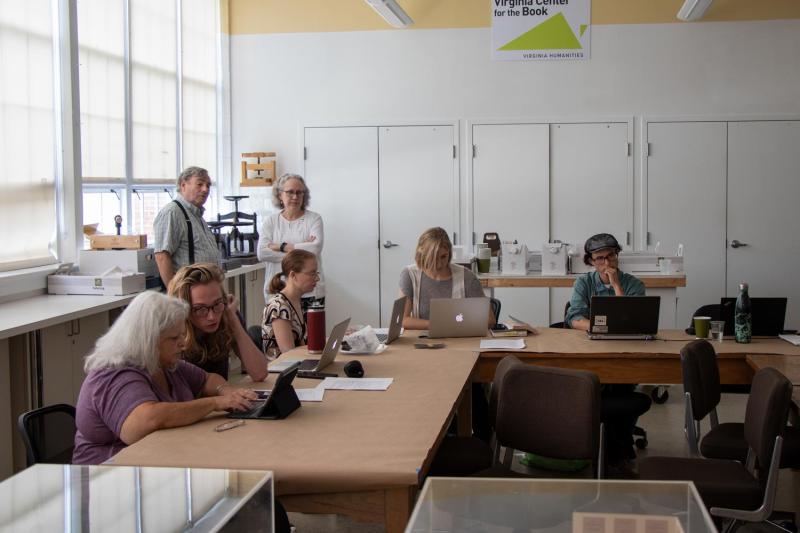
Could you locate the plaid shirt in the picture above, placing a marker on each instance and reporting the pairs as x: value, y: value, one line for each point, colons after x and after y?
x: 171, y: 234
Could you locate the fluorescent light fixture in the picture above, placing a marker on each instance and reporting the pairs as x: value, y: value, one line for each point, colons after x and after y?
x: 693, y: 9
x: 391, y: 12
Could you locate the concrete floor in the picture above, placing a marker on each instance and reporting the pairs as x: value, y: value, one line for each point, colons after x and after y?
x: 664, y: 426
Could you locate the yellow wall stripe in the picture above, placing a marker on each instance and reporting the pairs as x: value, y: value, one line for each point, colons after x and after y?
x: 293, y: 16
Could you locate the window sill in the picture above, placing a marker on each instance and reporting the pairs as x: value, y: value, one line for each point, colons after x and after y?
x: 25, y: 282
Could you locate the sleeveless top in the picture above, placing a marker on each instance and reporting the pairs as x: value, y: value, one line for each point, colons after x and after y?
x: 456, y: 271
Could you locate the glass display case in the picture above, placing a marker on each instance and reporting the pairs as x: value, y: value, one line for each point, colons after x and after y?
x: 121, y: 498
x: 590, y: 506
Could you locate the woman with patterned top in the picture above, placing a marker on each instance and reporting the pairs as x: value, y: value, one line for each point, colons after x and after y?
x: 213, y: 328
x: 283, y: 326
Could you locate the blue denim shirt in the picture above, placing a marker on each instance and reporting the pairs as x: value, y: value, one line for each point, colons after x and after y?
x: 589, y: 284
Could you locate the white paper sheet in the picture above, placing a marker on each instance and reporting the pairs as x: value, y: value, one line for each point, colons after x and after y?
x: 502, y: 344
x: 357, y: 383
x: 794, y: 339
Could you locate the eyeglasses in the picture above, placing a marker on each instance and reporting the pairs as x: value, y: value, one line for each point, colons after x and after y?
x: 203, y: 310
x: 605, y: 258
x: 313, y: 274
x: 290, y: 192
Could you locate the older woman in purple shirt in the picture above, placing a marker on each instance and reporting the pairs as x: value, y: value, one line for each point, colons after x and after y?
x: 137, y: 382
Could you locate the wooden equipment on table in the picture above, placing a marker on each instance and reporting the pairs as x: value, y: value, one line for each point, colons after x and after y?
x: 264, y: 171
x: 117, y: 242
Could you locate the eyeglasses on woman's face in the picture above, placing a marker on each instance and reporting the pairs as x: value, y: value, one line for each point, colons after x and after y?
x: 293, y: 192
x: 202, y: 311
x: 313, y: 273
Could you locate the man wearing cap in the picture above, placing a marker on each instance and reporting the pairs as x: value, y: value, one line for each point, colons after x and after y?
x: 621, y: 405
x: 602, y: 252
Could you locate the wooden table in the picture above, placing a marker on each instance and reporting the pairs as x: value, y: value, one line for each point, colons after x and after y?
x: 651, y: 281
x: 656, y: 361
x: 789, y: 366
x: 358, y: 453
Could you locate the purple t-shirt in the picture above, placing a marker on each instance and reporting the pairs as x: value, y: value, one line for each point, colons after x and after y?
x: 109, y: 395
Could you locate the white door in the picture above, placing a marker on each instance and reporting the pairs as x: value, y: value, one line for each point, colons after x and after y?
x: 686, y: 176
x: 510, y: 197
x: 418, y: 190
x: 763, y: 214
x: 591, y: 189
x: 341, y: 169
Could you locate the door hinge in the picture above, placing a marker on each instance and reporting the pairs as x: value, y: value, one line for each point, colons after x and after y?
x: 628, y: 149
x: 454, y: 151
x: 305, y: 153
x: 474, y: 151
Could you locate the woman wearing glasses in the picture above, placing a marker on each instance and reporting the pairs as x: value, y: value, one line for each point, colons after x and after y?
x: 213, y: 328
x: 284, y: 326
x: 294, y: 227
x: 137, y: 383
x: 602, y: 252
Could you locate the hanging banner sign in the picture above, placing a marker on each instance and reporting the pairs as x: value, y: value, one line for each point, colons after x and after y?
x: 540, y: 29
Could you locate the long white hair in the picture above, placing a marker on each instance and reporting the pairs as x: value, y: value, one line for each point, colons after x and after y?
x: 133, y: 339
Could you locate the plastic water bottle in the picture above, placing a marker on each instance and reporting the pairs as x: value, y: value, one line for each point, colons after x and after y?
x: 742, y: 322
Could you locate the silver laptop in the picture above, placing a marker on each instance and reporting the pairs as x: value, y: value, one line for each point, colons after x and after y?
x: 459, y: 317
x: 330, y: 350
x: 624, y: 317
x: 395, y: 323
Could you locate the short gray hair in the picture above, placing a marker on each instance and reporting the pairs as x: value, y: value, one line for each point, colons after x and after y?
x: 277, y: 187
x: 133, y: 339
x: 190, y: 172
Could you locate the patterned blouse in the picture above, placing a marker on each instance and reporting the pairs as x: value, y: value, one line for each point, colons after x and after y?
x: 280, y: 307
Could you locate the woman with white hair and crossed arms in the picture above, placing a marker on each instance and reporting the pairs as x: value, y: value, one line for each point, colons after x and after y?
x: 137, y: 381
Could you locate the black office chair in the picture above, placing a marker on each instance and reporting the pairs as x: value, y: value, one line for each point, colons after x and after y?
x: 712, y: 310
x: 730, y: 489
x: 701, y: 384
x: 563, y: 324
x: 48, y: 434
x: 550, y: 412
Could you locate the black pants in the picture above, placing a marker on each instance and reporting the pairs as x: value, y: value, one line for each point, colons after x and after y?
x: 621, y: 408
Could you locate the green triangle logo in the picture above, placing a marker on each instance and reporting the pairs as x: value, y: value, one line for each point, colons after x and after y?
x: 552, y: 34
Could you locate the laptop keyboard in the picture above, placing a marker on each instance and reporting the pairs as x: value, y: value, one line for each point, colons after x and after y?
x: 253, y: 411
x: 382, y: 337
x: 311, y: 374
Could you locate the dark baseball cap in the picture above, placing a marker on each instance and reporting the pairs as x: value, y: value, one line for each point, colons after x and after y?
x: 601, y: 241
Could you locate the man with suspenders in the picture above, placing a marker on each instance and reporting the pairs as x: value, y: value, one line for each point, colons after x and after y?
x: 182, y: 237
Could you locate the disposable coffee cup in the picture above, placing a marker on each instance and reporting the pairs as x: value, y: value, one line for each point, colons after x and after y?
x: 484, y: 260
x: 701, y: 326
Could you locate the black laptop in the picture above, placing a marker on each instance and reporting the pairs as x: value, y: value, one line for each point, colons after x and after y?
x: 768, y: 315
x: 280, y: 403
x: 624, y: 317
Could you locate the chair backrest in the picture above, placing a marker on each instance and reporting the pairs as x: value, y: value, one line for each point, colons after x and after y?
x: 563, y: 324
x: 495, y: 303
x: 551, y: 412
x: 48, y: 434
x: 766, y: 413
x: 701, y: 377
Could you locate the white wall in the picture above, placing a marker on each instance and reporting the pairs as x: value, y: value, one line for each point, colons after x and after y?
x: 281, y: 80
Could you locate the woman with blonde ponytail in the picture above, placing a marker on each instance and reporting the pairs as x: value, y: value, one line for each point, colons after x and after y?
x: 284, y: 326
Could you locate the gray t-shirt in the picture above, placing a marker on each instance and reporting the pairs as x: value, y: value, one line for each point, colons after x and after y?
x: 431, y: 288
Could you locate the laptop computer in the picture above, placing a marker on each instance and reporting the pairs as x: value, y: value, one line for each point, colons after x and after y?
x: 768, y: 315
x: 395, y: 322
x: 459, y: 317
x: 281, y: 401
x: 330, y: 350
x: 624, y: 317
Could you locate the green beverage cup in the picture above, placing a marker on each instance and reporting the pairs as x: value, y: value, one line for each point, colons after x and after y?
x: 702, y: 325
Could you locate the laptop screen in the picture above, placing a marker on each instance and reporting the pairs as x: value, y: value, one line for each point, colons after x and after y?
x: 624, y: 315
x: 768, y: 315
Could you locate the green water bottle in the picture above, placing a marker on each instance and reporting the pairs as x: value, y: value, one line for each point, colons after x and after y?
x: 742, y: 321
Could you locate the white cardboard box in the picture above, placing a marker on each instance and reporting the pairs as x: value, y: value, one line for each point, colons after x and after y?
x: 102, y: 286
x: 98, y: 261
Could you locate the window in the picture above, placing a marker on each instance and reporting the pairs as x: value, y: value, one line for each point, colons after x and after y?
x: 27, y: 134
x: 131, y: 159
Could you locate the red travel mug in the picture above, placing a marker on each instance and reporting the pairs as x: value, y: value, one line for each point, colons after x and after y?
x: 315, y: 324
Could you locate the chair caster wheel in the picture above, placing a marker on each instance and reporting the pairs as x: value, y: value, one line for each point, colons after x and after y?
x: 641, y: 443
x: 659, y: 395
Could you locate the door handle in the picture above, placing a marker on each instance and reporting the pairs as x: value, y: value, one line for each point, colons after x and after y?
x: 737, y: 244
x: 389, y: 244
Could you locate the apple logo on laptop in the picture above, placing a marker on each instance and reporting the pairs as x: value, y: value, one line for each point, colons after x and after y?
x: 460, y: 317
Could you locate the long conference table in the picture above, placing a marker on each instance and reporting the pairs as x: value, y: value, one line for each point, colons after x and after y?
x: 364, y: 454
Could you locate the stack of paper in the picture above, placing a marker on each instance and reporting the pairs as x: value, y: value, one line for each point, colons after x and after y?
x: 502, y: 344
x: 794, y: 339
x: 356, y: 383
